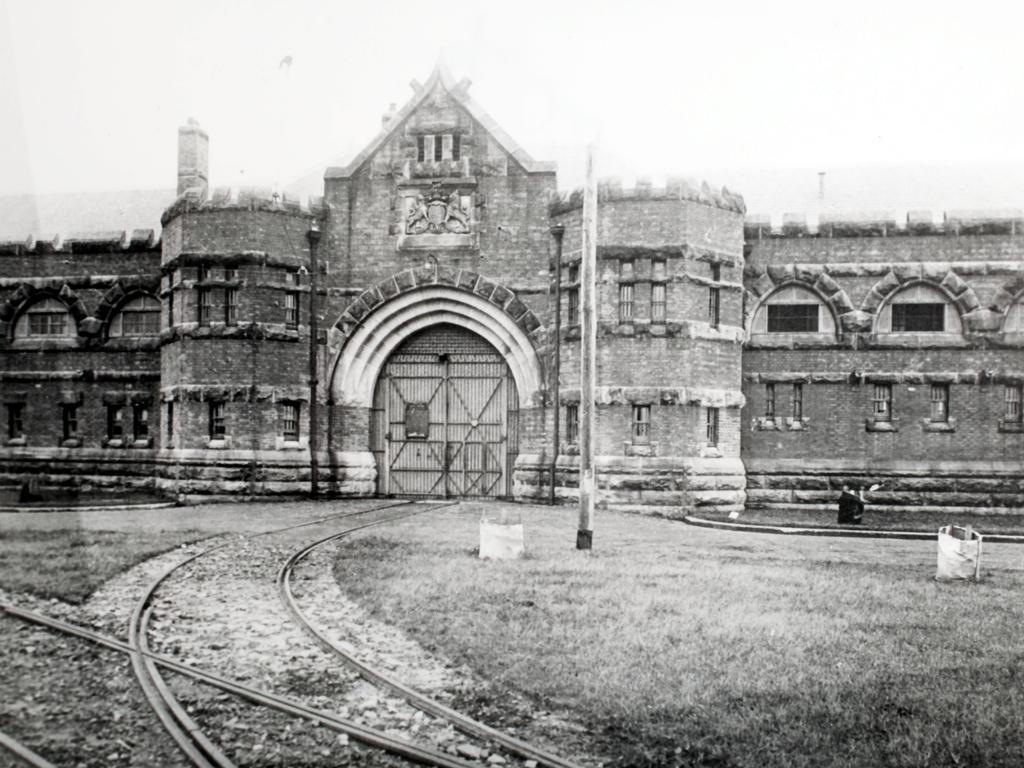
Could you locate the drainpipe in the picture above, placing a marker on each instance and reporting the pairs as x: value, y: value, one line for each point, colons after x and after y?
x: 313, y: 235
x: 558, y: 231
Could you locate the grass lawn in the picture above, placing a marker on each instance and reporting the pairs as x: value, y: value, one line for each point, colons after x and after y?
x: 683, y: 646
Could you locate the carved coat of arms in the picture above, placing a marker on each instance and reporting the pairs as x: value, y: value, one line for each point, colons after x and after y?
x: 437, y: 213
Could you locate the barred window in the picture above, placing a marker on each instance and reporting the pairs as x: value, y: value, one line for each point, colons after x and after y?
x: 139, y: 317
x: 714, y: 314
x: 914, y: 317
x: 939, y: 402
x: 204, y: 306
x: 140, y: 422
x: 798, y: 402
x: 716, y: 272
x: 438, y: 149
x: 626, y: 270
x: 69, y: 421
x: 657, y: 302
x: 218, y: 427
x: 169, y: 425
x: 290, y: 421
x: 202, y: 273
x: 1012, y: 400
x: 230, y: 273
x: 231, y: 306
x: 641, y: 423
x: 421, y: 148
x: 626, y: 303
x: 170, y: 299
x: 572, y: 423
x: 769, y: 401
x: 456, y: 146
x: 712, y: 427
x: 291, y: 309
x: 793, y: 318
x: 15, y: 421
x: 115, y: 422
x: 573, y: 306
x: 882, y: 402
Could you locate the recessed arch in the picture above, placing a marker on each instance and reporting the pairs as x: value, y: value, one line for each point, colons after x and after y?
x: 794, y: 292
x: 368, y: 345
x: 920, y: 292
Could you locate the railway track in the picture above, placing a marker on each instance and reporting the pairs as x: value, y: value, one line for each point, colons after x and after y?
x: 201, y: 748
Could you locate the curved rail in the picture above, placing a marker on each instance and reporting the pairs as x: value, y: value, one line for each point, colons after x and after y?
x: 180, y: 726
x: 23, y: 753
x: 369, y: 736
x: 422, y: 702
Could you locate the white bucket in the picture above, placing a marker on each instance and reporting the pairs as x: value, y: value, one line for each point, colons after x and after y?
x: 501, y: 536
x: 959, y: 553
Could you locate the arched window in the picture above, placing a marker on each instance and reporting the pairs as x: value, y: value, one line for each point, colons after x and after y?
x: 918, y: 309
x: 138, y: 317
x: 46, y: 319
x: 793, y: 309
x: 1014, y: 322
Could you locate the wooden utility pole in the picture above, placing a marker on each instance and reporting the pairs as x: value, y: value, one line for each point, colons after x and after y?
x: 588, y: 358
x: 313, y: 235
x: 558, y: 231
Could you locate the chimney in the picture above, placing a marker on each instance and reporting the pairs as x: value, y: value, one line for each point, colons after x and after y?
x: 193, y: 159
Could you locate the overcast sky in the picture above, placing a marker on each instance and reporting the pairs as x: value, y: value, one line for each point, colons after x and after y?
x: 93, y: 92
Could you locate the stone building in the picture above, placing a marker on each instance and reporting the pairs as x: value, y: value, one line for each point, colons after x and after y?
x: 738, y: 365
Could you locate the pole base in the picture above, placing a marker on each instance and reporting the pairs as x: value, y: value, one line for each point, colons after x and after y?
x: 584, y: 539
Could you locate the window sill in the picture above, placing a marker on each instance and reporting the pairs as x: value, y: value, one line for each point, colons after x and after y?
x: 797, y: 425
x: 71, y: 442
x: 939, y: 426
x: 640, y: 449
x: 114, y: 442
x: 710, y: 452
x: 765, y: 424
x: 570, y: 449
x: 142, y: 442
x: 1011, y: 427
x: 880, y: 426
x: 218, y: 444
x: 302, y: 444
x: 16, y: 441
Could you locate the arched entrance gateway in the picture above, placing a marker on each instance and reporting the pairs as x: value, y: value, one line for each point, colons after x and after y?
x: 447, y: 382
x: 445, y: 417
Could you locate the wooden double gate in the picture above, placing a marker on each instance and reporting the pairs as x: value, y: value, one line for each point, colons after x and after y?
x: 444, y: 421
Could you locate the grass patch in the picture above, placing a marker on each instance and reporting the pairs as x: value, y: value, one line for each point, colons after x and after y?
x: 680, y: 646
x: 876, y: 519
x: 71, y: 564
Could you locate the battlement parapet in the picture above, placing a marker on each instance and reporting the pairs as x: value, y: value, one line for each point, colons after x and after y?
x: 85, y: 242
x: 1008, y: 221
x: 611, y: 190
x: 243, y: 199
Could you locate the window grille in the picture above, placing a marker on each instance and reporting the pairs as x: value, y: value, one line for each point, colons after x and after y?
x: 882, y: 402
x: 231, y: 306
x: 792, y: 318
x: 139, y: 317
x: 798, y: 402
x: 657, y: 302
x: 290, y: 421
x: 69, y: 421
x: 218, y: 428
x: 456, y: 146
x: 291, y: 309
x: 769, y: 401
x: 939, y: 402
x: 572, y: 423
x: 438, y: 149
x: 15, y: 421
x: 421, y: 148
x: 641, y: 423
x: 115, y: 422
x: 915, y: 318
x: 712, y: 427
x: 1012, y: 400
x: 169, y: 425
x: 573, y: 306
x: 714, y: 315
x: 626, y: 303
x: 204, y: 306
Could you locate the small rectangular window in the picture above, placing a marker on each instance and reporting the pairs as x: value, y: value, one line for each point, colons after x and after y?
x: 626, y: 303
x: 15, y: 421
x: 115, y: 422
x: 421, y: 148
x: 202, y: 273
x: 716, y: 272
x: 1012, y: 400
x: 910, y: 317
x: 231, y: 306
x: 230, y: 273
x: 290, y: 421
x: 882, y: 402
x: 140, y: 422
x: 169, y: 425
x: 792, y: 318
x: 438, y: 149
x: 218, y: 428
x: 47, y: 323
x: 291, y: 309
x: 204, y: 305
x: 626, y: 270
x: 769, y: 401
x: 456, y: 146
x: 69, y: 421
x: 572, y: 423
x: 798, y: 402
x: 939, y: 403
x: 641, y: 423
x: 714, y: 314
x: 170, y: 299
x: 658, y: 270
x: 657, y: 302
x: 572, y: 298
x: 712, y: 427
